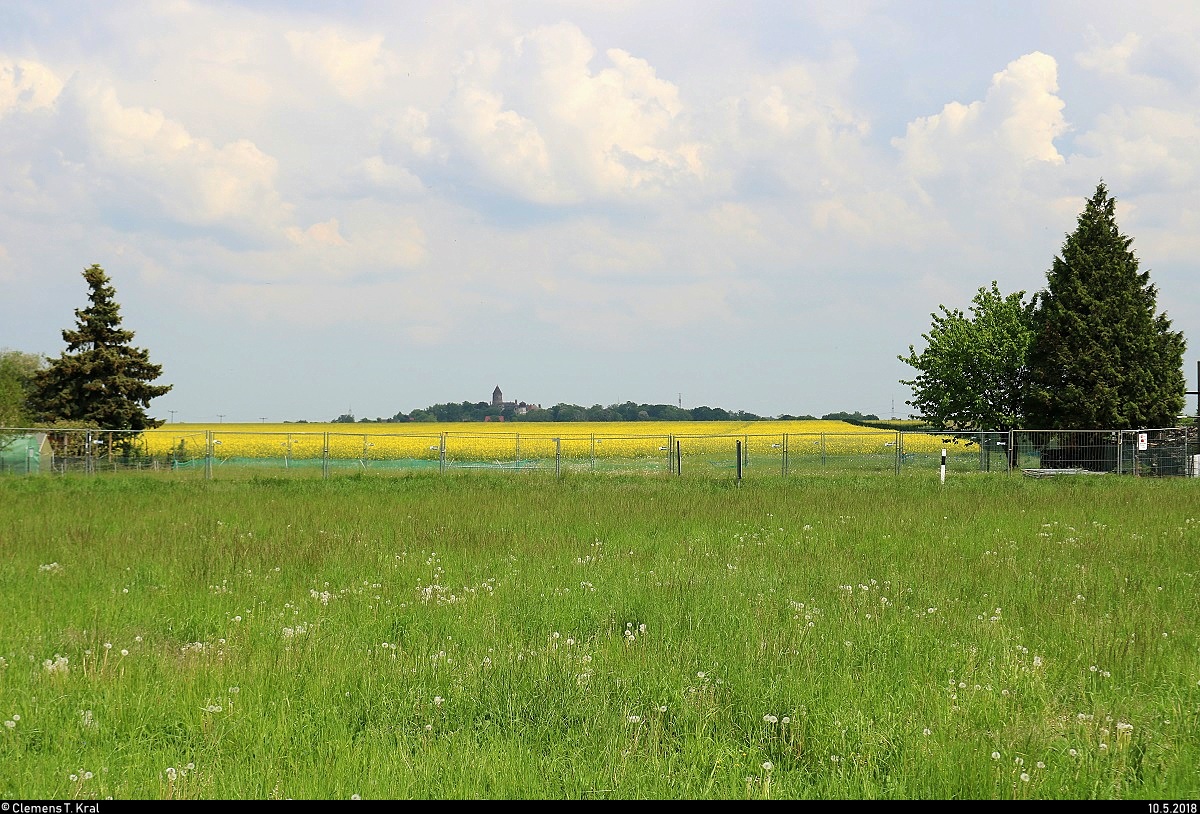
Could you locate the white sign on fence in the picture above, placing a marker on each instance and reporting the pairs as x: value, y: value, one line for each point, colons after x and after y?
x: 1142, y: 443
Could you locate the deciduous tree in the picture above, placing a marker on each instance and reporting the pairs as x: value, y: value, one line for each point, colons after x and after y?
x: 17, y: 373
x: 972, y: 370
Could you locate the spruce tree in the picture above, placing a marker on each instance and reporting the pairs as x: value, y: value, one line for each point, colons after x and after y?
x: 100, y: 379
x: 1101, y: 356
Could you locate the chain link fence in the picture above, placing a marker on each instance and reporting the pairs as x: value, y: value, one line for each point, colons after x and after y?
x: 214, y: 453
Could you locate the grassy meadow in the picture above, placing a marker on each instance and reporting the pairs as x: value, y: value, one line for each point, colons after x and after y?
x: 482, y: 635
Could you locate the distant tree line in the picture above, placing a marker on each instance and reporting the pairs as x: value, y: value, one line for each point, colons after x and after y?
x: 628, y: 411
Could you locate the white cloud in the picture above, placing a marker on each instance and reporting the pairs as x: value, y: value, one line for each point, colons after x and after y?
x: 1147, y: 146
x: 151, y: 160
x: 355, y: 67
x: 388, y: 176
x: 1015, y: 125
x: 564, y: 177
x: 319, y: 235
x: 26, y: 85
x: 542, y: 125
x: 504, y: 145
x: 1110, y: 58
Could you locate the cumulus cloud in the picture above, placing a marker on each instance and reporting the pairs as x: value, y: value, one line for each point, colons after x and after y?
x: 355, y: 67
x: 26, y: 85
x: 319, y: 235
x: 541, y: 124
x: 1112, y: 58
x: 1147, y: 145
x: 1014, y: 125
x: 150, y: 161
x: 385, y: 175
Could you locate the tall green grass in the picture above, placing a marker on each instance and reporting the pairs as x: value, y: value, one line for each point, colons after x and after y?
x: 469, y: 636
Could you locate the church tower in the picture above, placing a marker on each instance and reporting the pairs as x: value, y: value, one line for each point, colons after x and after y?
x: 497, y: 397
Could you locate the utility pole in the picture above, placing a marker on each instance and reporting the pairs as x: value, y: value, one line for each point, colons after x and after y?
x: 172, y: 412
x: 220, y: 418
x: 1196, y: 392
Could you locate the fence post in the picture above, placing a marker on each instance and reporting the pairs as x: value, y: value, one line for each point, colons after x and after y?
x: 739, y: 463
x: 208, y: 453
x: 442, y: 453
x: 896, y: 443
x: 593, y: 452
x: 785, y: 451
x: 557, y: 457
x: 943, y: 473
x: 678, y: 458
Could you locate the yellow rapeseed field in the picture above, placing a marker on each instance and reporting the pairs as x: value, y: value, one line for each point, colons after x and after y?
x: 502, y: 441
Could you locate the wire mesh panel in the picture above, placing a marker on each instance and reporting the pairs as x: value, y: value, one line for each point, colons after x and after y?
x: 1153, y: 452
x: 497, y: 451
x: 98, y: 451
x: 620, y: 454
x: 707, y: 455
x: 1079, y: 450
x: 250, y: 450
x: 965, y: 451
x: 577, y: 454
x: 1162, y: 452
x: 834, y: 452
x: 381, y: 453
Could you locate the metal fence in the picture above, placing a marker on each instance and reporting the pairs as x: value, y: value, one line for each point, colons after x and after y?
x: 214, y: 453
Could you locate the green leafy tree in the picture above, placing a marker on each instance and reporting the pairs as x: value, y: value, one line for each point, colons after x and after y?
x: 972, y: 370
x: 1101, y: 357
x: 100, y: 378
x: 17, y: 373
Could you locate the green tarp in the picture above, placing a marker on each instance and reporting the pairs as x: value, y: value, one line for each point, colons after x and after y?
x: 20, y: 453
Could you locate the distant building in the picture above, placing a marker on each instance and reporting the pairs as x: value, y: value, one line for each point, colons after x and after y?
x: 518, y: 407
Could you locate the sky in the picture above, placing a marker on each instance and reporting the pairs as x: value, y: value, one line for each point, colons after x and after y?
x: 309, y: 209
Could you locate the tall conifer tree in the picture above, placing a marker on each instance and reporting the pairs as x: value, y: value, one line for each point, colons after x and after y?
x: 1101, y: 356
x: 100, y: 378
